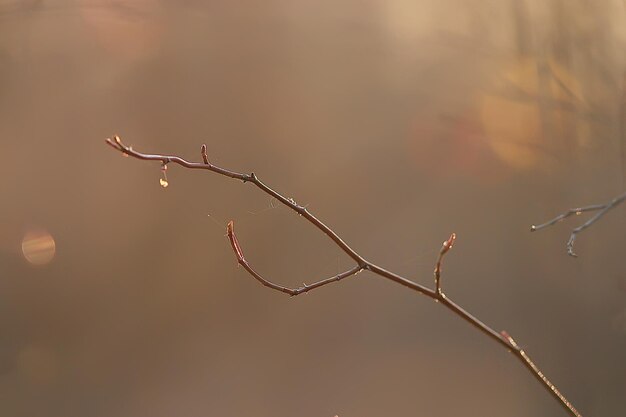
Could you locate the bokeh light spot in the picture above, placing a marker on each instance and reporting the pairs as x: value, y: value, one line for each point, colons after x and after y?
x: 38, y: 247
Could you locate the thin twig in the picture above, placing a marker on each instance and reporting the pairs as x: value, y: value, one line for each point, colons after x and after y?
x: 230, y: 231
x: 437, y: 294
x: 205, y: 157
x: 603, y: 209
x: 447, y: 245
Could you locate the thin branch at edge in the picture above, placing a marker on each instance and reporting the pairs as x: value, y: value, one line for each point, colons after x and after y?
x: 604, y: 208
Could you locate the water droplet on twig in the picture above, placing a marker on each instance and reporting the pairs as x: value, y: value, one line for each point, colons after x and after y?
x: 163, y: 181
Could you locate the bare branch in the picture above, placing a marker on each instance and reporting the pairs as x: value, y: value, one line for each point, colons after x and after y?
x: 521, y: 354
x: 230, y: 230
x: 361, y: 263
x: 603, y: 209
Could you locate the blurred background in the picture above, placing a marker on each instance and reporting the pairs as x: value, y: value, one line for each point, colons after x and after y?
x: 396, y: 122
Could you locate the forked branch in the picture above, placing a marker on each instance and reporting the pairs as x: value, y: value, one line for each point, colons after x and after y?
x: 437, y: 294
x: 601, y: 209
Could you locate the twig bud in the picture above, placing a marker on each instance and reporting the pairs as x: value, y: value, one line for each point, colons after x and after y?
x: 205, y: 157
x: 447, y: 245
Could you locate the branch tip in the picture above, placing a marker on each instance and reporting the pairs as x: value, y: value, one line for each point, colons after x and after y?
x: 116, y: 143
x: 230, y: 231
x: 601, y: 210
x: 113, y: 141
x: 205, y: 157
x: 109, y: 142
x: 447, y: 245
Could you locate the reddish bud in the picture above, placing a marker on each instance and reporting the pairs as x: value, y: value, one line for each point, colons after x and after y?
x: 447, y: 245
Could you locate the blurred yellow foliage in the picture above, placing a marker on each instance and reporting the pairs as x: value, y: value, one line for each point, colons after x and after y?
x: 532, y: 113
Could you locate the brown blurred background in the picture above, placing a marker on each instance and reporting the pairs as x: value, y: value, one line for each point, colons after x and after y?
x: 397, y: 122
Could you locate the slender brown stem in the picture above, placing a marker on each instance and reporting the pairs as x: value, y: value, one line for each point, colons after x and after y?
x: 230, y: 231
x: 437, y: 294
x: 447, y: 245
x: 205, y: 157
x: 601, y: 208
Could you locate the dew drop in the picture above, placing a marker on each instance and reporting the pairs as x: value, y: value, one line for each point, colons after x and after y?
x: 163, y: 181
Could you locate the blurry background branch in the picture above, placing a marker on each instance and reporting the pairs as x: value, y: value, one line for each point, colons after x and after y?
x: 601, y: 209
x: 437, y: 294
